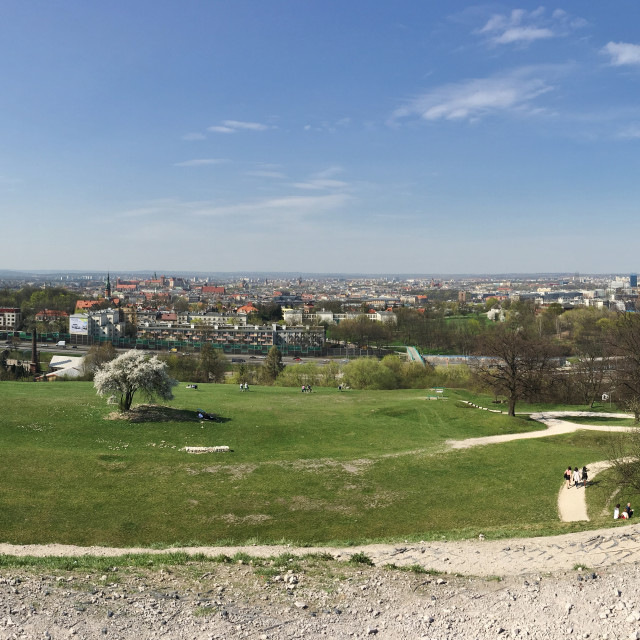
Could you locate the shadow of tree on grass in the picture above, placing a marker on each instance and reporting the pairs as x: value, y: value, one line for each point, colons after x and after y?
x: 159, y: 413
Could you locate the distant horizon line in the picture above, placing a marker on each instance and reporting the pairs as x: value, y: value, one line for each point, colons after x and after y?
x: 249, y: 273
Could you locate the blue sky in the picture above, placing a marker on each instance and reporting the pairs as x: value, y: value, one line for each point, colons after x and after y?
x: 320, y: 136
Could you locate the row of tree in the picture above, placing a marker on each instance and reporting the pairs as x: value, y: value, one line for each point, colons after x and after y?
x: 521, y: 362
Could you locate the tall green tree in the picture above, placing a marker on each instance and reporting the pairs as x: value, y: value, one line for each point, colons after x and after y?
x: 272, y: 366
x: 212, y: 364
x: 97, y: 356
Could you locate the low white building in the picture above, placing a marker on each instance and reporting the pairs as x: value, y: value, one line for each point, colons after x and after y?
x: 65, y: 367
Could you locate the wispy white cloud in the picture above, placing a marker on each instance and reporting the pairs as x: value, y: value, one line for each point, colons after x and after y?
x: 265, y: 210
x: 321, y: 184
x: 329, y: 126
x: 194, y: 136
x: 221, y: 129
x: 523, y: 34
x: 154, y: 208
x: 632, y: 132
x: 200, y: 162
x: 328, y: 172
x: 622, y: 53
x: 475, y: 98
x: 251, y: 126
x: 286, y: 205
x: 233, y: 126
x: 524, y: 27
x: 266, y: 174
x: 323, y: 180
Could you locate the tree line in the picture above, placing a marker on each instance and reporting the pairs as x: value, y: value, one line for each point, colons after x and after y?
x: 591, y: 354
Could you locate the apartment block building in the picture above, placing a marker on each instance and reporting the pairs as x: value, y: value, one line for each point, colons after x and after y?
x: 10, y: 318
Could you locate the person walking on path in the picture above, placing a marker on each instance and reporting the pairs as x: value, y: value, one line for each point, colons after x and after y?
x: 567, y: 476
x: 585, y: 476
x: 576, y: 477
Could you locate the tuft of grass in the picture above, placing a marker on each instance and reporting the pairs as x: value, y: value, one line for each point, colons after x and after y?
x: 222, y: 559
x: 318, y: 557
x: 413, y: 568
x: 361, y: 558
x: 242, y: 558
x: 100, y: 564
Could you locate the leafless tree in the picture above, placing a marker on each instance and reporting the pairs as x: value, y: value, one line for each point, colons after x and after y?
x: 624, y: 340
x: 517, y: 363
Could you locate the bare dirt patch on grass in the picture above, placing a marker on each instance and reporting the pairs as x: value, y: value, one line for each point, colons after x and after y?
x: 380, y: 499
x: 253, y: 518
x: 154, y: 413
x: 304, y: 503
x: 324, y: 464
x: 237, y: 471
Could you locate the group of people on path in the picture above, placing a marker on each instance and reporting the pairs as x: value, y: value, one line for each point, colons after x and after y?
x: 576, y: 476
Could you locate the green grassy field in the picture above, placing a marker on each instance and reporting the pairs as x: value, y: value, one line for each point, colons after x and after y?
x: 305, y: 468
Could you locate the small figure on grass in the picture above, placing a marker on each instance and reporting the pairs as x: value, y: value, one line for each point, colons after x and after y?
x: 616, y: 512
x: 628, y: 511
x: 585, y: 476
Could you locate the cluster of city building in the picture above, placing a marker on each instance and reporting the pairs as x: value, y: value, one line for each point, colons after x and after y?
x: 194, y: 310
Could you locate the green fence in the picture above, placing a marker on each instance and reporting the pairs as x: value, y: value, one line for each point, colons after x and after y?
x: 165, y: 345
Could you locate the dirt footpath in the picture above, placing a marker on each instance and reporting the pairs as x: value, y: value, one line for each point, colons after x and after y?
x: 518, y: 556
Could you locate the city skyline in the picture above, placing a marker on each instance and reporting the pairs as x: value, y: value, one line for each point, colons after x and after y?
x: 411, y: 138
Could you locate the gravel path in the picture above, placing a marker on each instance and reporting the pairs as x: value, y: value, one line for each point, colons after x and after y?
x: 518, y: 556
x: 555, y: 426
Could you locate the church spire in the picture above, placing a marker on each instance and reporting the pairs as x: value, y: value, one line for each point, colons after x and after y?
x: 107, y: 288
